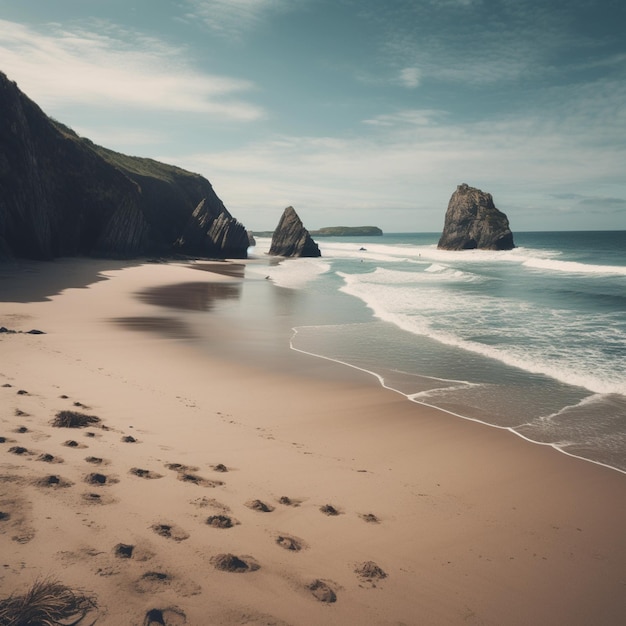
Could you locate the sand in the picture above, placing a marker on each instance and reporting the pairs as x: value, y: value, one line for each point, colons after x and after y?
x: 221, y: 490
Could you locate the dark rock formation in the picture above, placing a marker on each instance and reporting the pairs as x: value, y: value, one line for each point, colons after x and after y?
x: 62, y: 195
x: 220, y: 234
x: 291, y: 238
x: 472, y: 221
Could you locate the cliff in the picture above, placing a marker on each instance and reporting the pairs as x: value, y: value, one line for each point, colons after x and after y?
x: 62, y: 195
x: 473, y: 221
x: 291, y: 238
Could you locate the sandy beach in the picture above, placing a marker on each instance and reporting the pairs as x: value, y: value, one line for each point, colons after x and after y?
x: 272, y: 488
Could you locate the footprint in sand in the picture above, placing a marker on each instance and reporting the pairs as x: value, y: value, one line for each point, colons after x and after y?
x: 179, y: 467
x: 130, y: 551
x: 151, y: 582
x: 258, y: 505
x: 123, y: 551
x: 144, y: 473
x: 287, y: 501
x: 198, y: 480
x: 70, y: 443
x: 170, y: 616
x: 97, y: 479
x: 369, y: 572
x: 155, y: 581
x: 170, y: 531
x: 97, y: 498
x: 20, y: 451
x: 221, y: 521
x: 329, y: 509
x: 53, y: 481
x: 234, y: 564
x: 49, y: 458
x: 323, y: 591
x: 96, y: 460
x: 288, y: 542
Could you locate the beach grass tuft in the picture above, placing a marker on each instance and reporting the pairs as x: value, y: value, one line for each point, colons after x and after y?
x: 46, y: 603
x: 74, y: 419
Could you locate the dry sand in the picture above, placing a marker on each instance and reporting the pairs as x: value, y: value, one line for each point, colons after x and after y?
x: 214, y: 491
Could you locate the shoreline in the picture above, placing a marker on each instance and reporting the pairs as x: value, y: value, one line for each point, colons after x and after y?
x: 510, y: 429
x: 470, y: 524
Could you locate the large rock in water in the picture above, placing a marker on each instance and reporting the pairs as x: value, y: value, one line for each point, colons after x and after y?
x: 62, y: 195
x: 291, y: 238
x: 472, y: 221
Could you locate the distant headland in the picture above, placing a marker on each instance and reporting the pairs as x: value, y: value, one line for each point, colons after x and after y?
x: 335, y: 231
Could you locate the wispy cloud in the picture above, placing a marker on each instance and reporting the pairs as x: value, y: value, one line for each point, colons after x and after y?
x: 410, y: 77
x: 110, y: 67
x: 411, y: 117
x: 474, y: 43
x: 231, y: 18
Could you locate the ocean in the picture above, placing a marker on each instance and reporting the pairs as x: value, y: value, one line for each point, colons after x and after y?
x: 532, y: 340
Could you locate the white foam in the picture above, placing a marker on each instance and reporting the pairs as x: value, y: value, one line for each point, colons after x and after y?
x: 296, y: 273
x: 453, y: 319
x: 546, y: 260
x: 574, y: 267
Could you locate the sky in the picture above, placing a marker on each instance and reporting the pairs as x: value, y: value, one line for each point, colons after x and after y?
x: 354, y: 112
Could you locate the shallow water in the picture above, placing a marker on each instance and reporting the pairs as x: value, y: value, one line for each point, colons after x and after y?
x: 533, y: 339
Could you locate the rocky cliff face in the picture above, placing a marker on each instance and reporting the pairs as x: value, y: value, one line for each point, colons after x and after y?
x: 291, y: 238
x: 472, y: 221
x: 207, y: 234
x: 62, y: 195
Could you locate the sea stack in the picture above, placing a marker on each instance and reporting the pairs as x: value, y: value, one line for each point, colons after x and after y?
x: 472, y: 221
x: 291, y: 238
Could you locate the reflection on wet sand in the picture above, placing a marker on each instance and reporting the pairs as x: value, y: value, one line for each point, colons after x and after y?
x: 190, y: 296
x: 236, y: 270
x: 167, y: 326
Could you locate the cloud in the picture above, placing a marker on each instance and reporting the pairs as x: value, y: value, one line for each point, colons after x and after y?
x: 465, y: 42
x: 410, y: 117
x: 231, y: 18
x: 401, y: 169
x: 111, y: 67
x: 410, y: 77
x: 599, y: 204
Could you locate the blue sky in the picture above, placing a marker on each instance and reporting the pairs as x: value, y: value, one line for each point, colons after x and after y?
x: 356, y: 112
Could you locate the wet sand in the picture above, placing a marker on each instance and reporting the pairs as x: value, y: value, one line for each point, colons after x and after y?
x: 280, y: 489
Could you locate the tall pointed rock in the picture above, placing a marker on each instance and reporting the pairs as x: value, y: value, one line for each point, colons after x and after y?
x: 473, y: 221
x: 291, y: 238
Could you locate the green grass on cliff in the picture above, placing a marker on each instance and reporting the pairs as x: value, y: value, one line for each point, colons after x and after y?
x: 139, y: 166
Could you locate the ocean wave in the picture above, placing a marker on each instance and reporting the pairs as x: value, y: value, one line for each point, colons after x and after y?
x: 433, y: 273
x: 460, y: 322
x: 573, y: 267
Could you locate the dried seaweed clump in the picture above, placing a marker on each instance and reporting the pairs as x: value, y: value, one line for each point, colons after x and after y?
x: 74, y: 419
x: 46, y: 603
